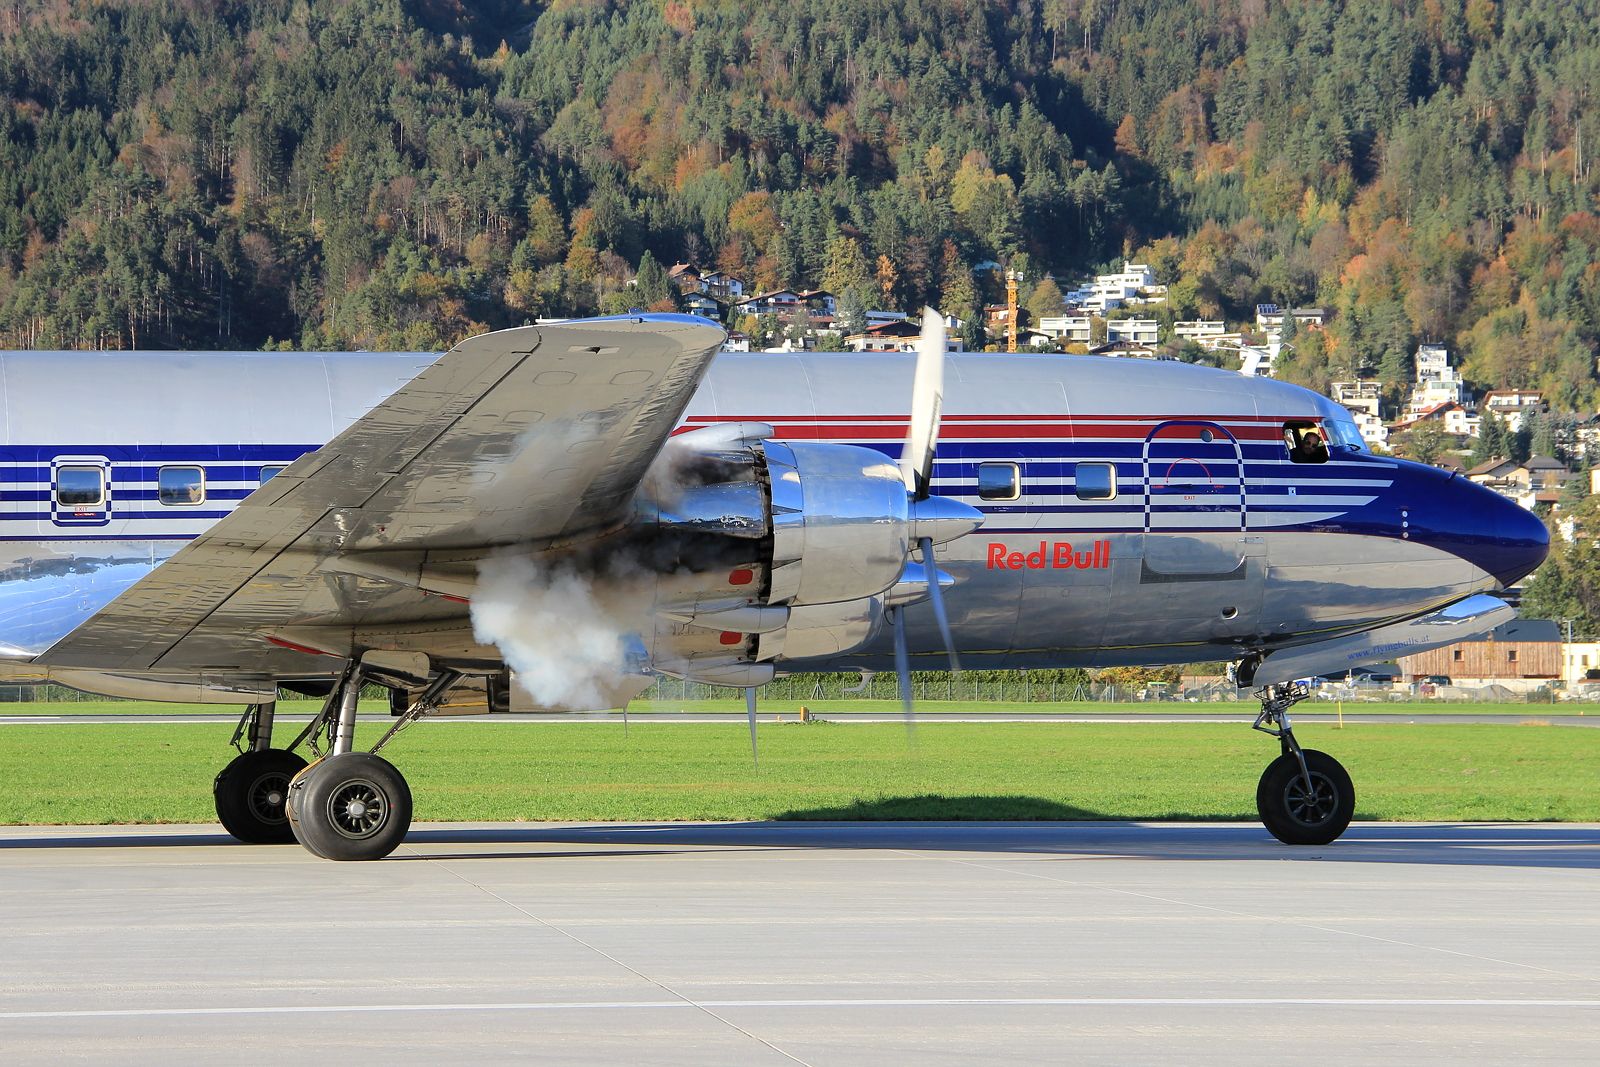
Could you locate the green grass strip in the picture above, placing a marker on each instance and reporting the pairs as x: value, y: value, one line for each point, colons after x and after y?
x: 587, y: 771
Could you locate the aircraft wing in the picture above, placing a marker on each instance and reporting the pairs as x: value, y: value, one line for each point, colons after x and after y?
x: 535, y: 434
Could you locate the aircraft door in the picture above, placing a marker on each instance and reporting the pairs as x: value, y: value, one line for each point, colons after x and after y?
x: 1194, y: 479
x: 1202, y: 570
x: 80, y: 491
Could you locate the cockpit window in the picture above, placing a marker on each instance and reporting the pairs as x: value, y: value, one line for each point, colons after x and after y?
x: 1343, y: 433
x: 1306, y: 442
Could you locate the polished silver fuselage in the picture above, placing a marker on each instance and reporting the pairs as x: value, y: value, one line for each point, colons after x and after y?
x: 1215, y: 542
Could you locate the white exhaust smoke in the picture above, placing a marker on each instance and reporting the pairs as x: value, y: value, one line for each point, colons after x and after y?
x: 565, y: 635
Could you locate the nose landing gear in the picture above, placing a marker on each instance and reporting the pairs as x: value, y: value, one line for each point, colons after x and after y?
x: 1305, y: 797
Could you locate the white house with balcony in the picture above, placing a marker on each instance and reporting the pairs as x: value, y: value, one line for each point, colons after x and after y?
x: 1364, y: 394
x: 1072, y: 329
x: 1269, y: 317
x: 1135, y: 283
x: 1513, y: 405
x: 1437, y: 382
x: 1198, y: 330
x: 1133, y: 331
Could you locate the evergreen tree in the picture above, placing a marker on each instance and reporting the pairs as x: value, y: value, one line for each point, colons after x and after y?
x: 653, y: 289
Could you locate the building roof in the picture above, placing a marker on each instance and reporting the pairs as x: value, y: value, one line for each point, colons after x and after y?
x: 768, y: 296
x: 1491, y: 467
x: 1523, y: 630
x: 1544, y: 463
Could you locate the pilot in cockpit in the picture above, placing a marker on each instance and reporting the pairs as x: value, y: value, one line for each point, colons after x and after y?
x: 1305, y: 444
x: 1310, y: 448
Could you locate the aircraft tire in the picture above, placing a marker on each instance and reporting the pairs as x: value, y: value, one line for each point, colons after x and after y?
x: 353, y: 806
x: 250, y: 793
x: 1293, y: 817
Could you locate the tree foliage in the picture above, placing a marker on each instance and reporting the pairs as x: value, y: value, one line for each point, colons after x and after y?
x: 400, y: 173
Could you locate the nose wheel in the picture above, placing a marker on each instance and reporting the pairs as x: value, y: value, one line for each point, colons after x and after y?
x: 1305, y: 797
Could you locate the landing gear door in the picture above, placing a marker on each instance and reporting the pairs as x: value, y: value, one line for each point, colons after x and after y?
x: 80, y: 491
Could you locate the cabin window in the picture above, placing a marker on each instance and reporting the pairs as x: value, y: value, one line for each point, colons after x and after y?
x: 999, y: 481
x: 272, y: 470
x: 181, y: 486
x: 1096, y: 481
x: 80, y: 487
x: 1305, y: 442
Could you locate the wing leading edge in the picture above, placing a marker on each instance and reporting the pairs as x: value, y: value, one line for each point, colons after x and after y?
x: 530, y: 435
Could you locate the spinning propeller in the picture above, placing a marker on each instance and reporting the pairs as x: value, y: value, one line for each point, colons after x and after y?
x: 934, y: 520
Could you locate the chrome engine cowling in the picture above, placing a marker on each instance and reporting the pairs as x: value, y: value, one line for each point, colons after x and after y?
x: 778, y: 550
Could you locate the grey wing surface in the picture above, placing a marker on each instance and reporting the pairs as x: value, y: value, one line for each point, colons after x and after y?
x: 539, y: 434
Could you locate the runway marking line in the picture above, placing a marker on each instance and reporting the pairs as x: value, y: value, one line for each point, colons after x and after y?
x: 906, y: 1002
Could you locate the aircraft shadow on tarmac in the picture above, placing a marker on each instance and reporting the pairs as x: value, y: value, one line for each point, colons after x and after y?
x: 1016, y: 824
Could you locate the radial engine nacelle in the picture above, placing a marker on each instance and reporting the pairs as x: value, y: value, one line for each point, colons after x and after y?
x: 780, y: 549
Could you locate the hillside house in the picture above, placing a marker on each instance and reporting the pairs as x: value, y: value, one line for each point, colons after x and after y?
x: 1068, y: 329
x: 1537, y: 481
x: 1135, y: 283
x: 1365, y: 395
x: 706, y: 306
x: 899, y: 336
x: 1269, y: 317
x: 1513, y: 405
x: 776, y: 302
x: 1134, y: 331
x: 1198, y: 330
x: 820, y: 301
x: 715, y: 283
x: 1437, y: 382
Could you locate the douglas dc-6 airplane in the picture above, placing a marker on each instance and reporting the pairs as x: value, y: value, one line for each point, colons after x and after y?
x: 598, y: 501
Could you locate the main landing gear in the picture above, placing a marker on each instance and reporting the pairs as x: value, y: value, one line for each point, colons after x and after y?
x: 1305, y: 797
x: 345, y: 805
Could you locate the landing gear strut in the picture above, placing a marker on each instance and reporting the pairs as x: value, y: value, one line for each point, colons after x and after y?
x: 351, y: 805
x: 250, y: 791
x: 1305, y: 797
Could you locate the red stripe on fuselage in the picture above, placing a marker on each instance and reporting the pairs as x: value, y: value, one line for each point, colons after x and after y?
x: 890, y: 429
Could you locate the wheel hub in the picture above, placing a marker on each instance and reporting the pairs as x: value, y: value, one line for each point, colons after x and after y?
x: 266, y: 795
x: 1311, y: 806
x: 357, y: 809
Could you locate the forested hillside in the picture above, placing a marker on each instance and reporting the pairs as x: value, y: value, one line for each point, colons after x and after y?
x: 379, y: 173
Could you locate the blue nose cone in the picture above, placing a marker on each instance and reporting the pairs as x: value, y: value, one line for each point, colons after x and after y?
x: 1516, y: 543
x: 1448, y: 512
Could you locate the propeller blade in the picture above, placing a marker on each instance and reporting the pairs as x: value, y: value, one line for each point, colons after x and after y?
x: 750, y: 713
x: 902, y: 660
x: 927, y: 397
x: 936, y: 601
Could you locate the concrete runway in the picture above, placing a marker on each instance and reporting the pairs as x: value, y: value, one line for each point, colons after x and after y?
x: 806, y: 943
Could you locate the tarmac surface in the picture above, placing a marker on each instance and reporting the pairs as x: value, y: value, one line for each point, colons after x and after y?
x: 816, y: 943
